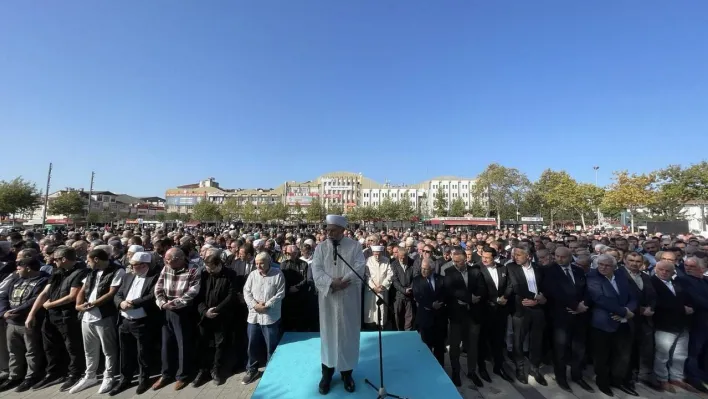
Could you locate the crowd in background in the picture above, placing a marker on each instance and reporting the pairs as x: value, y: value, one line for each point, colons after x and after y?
x: 195, y: 305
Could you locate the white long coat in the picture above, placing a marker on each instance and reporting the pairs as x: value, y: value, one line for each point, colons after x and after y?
x: 378, y: 272
x: 340, y: 312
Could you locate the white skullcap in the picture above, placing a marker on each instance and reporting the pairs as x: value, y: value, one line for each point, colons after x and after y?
x: 258, y: 242
x: 310, y: 242
x: 410, y: 241
x: 362, y: 241
x: 377, y: 248
x: 135, y: 249
x: 337, y: 220
x: 141, y: 257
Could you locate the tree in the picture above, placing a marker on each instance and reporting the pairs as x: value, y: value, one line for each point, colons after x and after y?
x: 316, y: 212
x: 678, y: 185
x: 355, y: 214
x: 477, y: 209
x: 280, y: 211
x: 500, y: 185
x: 457, y: 208
x: 440, y: 202
x: 297, y: 211
x: 18, y: 196
x: 405, y: 211
x: 94, y: 217
x: 184, y: 217
x: 161, y: 217
x: 265, y: 212
x: 387, y: 209
x: 230, y: 209
x: 68, y: 203
x: 249, y: 212
x: 336, y: 209
x: 172, y: 216
x: 370, y: 214
x: 206, y: 211
x: 630, y: 192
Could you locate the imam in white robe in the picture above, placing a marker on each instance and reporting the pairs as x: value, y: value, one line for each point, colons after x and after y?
x: 340, y: 311
x: 378, y: 273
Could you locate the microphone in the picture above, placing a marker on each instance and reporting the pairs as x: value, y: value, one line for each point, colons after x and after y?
x: 335, y: 244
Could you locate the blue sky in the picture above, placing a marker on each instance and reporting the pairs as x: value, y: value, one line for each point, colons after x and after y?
x: 154, y: 94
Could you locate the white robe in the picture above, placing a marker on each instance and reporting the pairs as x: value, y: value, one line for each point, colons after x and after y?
x: 379, y: 273
x: 340, y: 312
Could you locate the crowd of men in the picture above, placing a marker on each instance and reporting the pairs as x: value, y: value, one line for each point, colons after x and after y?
x: 197, y: 305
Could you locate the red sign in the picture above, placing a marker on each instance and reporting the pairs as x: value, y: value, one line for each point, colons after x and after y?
x: 60, y: 221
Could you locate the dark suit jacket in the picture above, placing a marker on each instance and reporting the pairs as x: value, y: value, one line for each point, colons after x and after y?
x: 403, y: 279
x: 646, y: 297
x: 426, y: 316
x: 670, y: 314
x: 504, y: 290
x: 147, y: 295
x: 606, y: 302
x: 520, y: 288
x: 456, y: 290
x: 562, y: 293
x: 697, y: 292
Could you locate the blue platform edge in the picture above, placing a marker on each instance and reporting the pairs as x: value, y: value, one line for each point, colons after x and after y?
x: 410, y: 369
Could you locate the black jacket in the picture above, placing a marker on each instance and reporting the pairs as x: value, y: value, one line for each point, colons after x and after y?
x: 562, y: 294
x: 646, y: 297
x: 61, y: 282
x: 696, y: 290
x: 295, y: 273
x: 147, y: 294
x: 18, y: 294
x: 403, y: 279
x: 426, y: 316
x: 520, y: 288
x: 504, y: 289
x: 670, y: 314
x: 217, y: 291
x: 457, y: 292
x: 104, y: 285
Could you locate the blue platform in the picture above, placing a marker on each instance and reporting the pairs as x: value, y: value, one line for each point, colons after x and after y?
x: 410, y: 369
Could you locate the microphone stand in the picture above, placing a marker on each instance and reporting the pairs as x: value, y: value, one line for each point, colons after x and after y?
x: 382, y: 394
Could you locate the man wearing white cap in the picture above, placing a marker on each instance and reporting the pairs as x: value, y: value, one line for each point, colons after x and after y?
x: 339, y: 292
x: 379, y: 277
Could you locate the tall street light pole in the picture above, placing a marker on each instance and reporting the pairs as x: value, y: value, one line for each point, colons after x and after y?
x: 596, y: 185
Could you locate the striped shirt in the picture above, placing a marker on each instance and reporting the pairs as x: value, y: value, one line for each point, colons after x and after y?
x: 177, y: 286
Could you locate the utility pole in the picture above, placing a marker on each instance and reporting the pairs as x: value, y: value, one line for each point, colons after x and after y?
x: 90, y: 195
x: 598, y: 208
x: 46, y: 197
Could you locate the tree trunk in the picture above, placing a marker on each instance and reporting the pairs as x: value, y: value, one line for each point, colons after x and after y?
x: 703, y: 217
x: 582, y: 220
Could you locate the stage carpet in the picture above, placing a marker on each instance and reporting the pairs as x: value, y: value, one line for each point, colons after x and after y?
x: 410, y: 370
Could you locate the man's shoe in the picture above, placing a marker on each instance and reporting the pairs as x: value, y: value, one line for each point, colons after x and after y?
x: 475, y: 379
x: 523, y: 378
x: 349, y: 385
x: 324, y: 386
x: 684, y: 386
x: 70, y: 382
x: 161, y: 383
x: 484, y: 375
x: 107, y: 385
x: 179, y: 385
x: 501, y: 373
x: 665, y: 386
x: 84, y: 383
x: 564, y: 385
x: 540, y: 379
x: 124, y: 384
x: 48, y: 381
x: 581, y: 382
x: 626, y: 389
x: 455, y: 377
x: 202, y: 378
x: 606, y: 390
x: 250, y: 376
x: 25, y: 385
x: 9, y: 384
x: 143, y: 386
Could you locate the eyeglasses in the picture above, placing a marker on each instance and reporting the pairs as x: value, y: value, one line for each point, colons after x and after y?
x: 427, y: 251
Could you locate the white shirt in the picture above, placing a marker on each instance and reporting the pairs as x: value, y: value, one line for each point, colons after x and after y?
x: 269, y: 289
x: 670, y: 285
x: 495, y: 276
x: 530, y: 278
x: 93, y: 315
x: 135, y: 292
x: 614, y: 284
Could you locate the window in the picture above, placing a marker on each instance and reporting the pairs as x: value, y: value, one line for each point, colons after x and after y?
x: 454, y: 194
x: 454, y: 186
x: 445, y: 187
x: 366, y: 194
x: 435, y: 186
x: 412, y: 195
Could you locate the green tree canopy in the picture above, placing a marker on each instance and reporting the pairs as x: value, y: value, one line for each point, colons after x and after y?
x: 206, y: 211
x: 500, y: 185
x: 457, y: 208
x: 336, y: 209
x: 249, y: 212
x: 68, y: 203
x: 230, y: 209
x: 630, y: 192
x: 404, y: 207
x: 387, y: 209
x: 440, y: 202
x: 316, y: 212
x: 18, y: 196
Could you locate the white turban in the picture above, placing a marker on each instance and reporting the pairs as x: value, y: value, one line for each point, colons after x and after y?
x: 377, y: 248
x: 337, y: 220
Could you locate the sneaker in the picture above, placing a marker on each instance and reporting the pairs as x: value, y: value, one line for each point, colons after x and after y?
x: 83, y: 383
x: 70, y: 382
x: 107, y: 385
x: 250, y: 376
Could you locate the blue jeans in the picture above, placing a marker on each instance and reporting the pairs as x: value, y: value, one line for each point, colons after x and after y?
x: 256, y: 335
x: 670, y: 355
